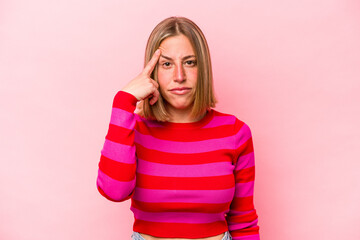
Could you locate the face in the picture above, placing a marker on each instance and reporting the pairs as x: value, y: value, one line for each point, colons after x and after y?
x: 177, y: 73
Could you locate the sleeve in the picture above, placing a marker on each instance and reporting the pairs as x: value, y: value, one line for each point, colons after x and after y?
x: 117, y: 167
x: 242, y: 218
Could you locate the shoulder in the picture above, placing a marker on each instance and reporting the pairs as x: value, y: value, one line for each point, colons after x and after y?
x: 240, y: 129
x: 227, y: 118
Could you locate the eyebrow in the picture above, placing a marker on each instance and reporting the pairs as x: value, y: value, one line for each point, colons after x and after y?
x: 184, y: 58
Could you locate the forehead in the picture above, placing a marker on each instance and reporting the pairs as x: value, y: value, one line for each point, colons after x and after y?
x: 177, y: 46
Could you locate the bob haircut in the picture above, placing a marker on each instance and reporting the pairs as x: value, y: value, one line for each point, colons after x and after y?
x: 204, y: 95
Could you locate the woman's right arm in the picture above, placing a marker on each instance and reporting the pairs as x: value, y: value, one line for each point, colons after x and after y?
x: 117, y: 167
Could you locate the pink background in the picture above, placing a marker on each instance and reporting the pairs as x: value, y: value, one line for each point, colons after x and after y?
x: 289, y: 69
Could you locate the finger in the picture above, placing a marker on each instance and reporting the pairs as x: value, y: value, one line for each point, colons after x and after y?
x: 151, y: 64
x: 155, y: 97
x: 156, y: 84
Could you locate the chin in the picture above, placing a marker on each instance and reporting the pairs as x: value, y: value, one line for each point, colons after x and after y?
x: 181, y: 106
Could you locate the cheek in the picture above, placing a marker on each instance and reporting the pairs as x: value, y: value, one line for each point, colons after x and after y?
x: 192, y: 74
x: 161, y: 75
x: 163, y: 79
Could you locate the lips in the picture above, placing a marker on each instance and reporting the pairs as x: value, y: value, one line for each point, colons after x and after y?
x: 180, y: 91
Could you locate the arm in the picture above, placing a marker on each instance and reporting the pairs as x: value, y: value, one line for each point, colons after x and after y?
x: 242, y: 218
x: 117, y: 167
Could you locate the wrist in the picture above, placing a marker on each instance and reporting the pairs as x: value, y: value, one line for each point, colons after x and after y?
x: 130, y: 92
x: 125, y: 100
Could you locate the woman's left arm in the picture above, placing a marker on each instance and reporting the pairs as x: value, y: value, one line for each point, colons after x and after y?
x: 242, y: 218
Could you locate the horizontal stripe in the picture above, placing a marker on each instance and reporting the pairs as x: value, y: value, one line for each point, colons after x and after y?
x: 245, y: 236
x: 245, y: 148
x: 182, y: 207
x: 242, y: 135
x: 120, y: 135
x: 104, y: 194
x: 244, y: 189
x: 241, y: 218
x: 185, y: 183
x: 151, y: 155
x: 184, y: 147
x: 177, y: 217
x: 180, y: 230
x: 194, y: 196
x: 242, y: 204
x: 240, y: 212
x: 119, y: 152
x: 238, y: 124
x: 117, y: 170
x: 245, y: 161
x: 235, y: 226
x: 245, y: 175
x: 194, y: 170
x: 125, y: 101
x: 117, y: 190
x: 122, y: 118
x: 191, y: 147
x: 190, y: 125
x: 220, y: 120
x: 148, y: 122
x: 186, y: 134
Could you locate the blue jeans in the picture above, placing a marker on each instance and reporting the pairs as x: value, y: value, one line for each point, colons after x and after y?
x: 137, y: 236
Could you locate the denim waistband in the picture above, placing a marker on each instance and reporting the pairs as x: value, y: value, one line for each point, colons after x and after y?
x: 137, y: 236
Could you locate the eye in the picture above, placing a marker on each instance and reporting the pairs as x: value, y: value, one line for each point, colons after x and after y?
x: 190, y: 63
x: 166, y: 65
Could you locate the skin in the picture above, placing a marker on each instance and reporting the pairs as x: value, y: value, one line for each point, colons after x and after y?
x: 177, y: 68
x: 142, y: 86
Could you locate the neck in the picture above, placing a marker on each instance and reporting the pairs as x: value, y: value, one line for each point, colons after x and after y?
x: 184, y: 116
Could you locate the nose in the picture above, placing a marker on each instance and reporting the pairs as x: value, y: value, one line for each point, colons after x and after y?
x: 180, y: 75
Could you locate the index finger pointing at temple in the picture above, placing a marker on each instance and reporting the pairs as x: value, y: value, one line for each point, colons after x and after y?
x: 151, y: 64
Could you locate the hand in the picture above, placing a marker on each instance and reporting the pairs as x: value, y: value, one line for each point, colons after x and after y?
x: 143, y: 86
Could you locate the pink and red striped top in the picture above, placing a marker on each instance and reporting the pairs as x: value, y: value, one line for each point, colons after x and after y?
x: 185, y: 180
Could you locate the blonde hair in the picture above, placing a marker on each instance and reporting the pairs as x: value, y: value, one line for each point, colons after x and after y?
x: 204, y: 95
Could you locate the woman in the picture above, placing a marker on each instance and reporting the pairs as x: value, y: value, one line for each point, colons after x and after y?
x: 187, y: 168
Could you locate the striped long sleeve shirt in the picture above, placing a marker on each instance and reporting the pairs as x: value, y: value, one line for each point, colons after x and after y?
x: 185, y: 180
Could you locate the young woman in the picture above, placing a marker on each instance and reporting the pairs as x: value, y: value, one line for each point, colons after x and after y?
x: 188, y: 169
